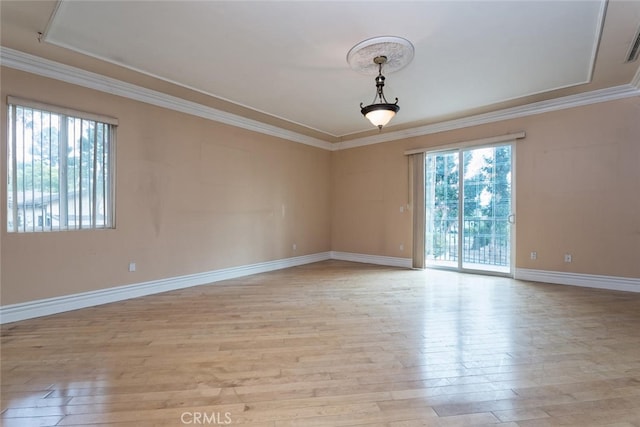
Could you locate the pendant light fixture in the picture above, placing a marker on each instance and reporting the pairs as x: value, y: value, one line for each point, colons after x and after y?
x: 381, y: 112
x: 368, y: 57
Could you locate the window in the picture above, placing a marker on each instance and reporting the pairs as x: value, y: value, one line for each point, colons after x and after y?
x: 60, y: 169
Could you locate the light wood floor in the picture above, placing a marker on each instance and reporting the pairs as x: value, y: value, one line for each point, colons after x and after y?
x: 333, y: 344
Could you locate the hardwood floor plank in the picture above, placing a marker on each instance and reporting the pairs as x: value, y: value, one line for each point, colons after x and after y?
x: 520, y: 414
x: 333, y: 344
x: 31, y: 422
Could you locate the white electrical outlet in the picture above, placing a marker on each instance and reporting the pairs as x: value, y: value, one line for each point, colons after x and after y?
x: 534, y: 255
x: 567, y: 258
x: 401, y: 247
x: 132, y: 266
x: 294, y: 247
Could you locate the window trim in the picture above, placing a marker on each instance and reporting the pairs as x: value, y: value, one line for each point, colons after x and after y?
x: 13, y: 103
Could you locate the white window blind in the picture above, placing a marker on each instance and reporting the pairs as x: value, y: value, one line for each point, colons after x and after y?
x: 60, y: 168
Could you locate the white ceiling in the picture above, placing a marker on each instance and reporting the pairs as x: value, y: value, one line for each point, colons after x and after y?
x: 288, y: 58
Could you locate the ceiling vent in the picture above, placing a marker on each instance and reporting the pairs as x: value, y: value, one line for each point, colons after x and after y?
x: 634, y: 49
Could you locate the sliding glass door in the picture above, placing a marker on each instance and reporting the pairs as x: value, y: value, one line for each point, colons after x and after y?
x: 468, y: 206
x: 442, y: 203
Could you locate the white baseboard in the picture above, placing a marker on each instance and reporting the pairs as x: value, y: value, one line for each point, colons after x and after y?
x: 613, y: 283
x: 45, y: 307
x: 372, y: 259
x: 48, y: 306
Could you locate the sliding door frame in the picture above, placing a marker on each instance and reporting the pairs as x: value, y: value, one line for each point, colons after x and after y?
x: 460, y: 150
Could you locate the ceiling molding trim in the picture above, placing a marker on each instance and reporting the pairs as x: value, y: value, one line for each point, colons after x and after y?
x: 571, y: 101
x: 47, y: 68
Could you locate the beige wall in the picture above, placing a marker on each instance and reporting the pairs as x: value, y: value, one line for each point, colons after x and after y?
x: 370, y: 186
x: 577, y: 190
x: 192, y: 196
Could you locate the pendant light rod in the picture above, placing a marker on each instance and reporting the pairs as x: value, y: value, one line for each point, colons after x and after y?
x: 380, y: 80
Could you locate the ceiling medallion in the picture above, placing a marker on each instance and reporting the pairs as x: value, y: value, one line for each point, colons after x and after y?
x: 398, y: 51
x: 370, y: 55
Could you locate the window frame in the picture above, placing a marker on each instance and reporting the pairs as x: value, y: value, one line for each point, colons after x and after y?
x: 67, y: 118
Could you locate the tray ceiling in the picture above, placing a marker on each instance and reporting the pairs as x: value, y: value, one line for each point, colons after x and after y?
x: 287, y: 60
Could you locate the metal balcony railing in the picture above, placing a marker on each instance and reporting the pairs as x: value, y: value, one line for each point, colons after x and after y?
x: 484, y: 241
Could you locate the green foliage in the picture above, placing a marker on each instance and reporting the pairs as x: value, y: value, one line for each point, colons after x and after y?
x: 39, y: 168
x: 40, y: 176
x: 497, y: 170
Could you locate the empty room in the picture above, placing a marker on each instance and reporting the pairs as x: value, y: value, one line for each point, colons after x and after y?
x: 320, y: 213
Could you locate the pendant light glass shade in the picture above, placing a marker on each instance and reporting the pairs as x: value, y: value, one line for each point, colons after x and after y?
x: 380, y: 114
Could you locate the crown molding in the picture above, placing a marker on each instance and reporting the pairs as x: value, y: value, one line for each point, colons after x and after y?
x: 571, y: 101
x: 47, y: 68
